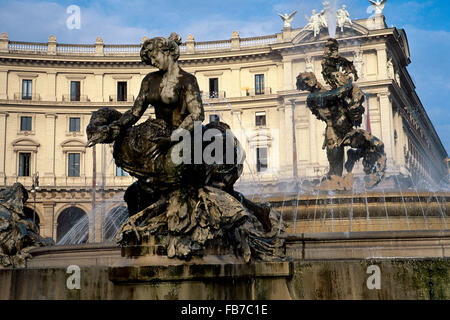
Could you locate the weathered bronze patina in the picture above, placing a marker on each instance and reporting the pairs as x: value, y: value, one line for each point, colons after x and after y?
x: 341, y: 109
x: 17, y: 234
x: 190, y: 204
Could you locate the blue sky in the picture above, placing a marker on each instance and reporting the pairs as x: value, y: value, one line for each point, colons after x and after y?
x: 426, y: 22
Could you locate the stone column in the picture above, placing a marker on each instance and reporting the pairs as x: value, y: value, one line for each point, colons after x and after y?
x: 49, y: 149
x: 282, y: 145
x: 48, y: 229
x: 382, y: 63
x: 51, y: 86
x: 287, y: 74
x: 4, y: 84
x: 399, y: 159
x: 287, y: 140
x: 387, y: 128
x: 3, y: 131
x: 314, y: 145
x: 99, y: 225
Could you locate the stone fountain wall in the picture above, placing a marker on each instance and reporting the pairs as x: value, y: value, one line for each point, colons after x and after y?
x: 413, y: 265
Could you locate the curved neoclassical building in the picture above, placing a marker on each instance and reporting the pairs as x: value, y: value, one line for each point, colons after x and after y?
x: 49, y: 90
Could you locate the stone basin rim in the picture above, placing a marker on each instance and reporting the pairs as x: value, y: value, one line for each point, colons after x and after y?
x: 288, y: 237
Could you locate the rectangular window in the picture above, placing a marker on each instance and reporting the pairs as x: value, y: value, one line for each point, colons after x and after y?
x: 260, y: 118
x: 122, y: 91
x: 261, y: 159
x: 74, y: 124
x: 75, y: 91
x: 214, y: 87
x: 213, y: 118
x: 27, y: 91
x: 24, y: 164
x: 259, y: 84
x: 120, y: 172
x: 25, y: 123
x: 74, y: 165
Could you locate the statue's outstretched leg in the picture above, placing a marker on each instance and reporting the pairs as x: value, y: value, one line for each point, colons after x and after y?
x: 336, y: 159
x: 371, y: 149
x: 335, y: 153
x: 353, y: 156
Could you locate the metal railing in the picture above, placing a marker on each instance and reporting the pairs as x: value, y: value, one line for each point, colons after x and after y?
x: 33, y: 97
x: 128, y: 98
x: 213, y: 95
x: 81, y: 98
x: 262, y: 91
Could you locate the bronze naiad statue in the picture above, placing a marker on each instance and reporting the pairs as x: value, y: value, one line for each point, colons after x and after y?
x: 186, y: 206
x: 341, y: 109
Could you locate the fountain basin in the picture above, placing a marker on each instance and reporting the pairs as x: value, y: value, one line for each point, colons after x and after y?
x: 413, y: 264
x: 371, y: 211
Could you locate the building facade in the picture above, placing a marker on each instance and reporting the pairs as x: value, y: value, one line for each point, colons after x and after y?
x: 49, y: 90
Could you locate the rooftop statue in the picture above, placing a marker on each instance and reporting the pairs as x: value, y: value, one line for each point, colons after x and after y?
x: 323, y: 19
x: 342, y: 17
x: 315, y: 23
x: 186, y: 205
x: 287, y: 19
x: 378, y: 5
x: 341, y: 109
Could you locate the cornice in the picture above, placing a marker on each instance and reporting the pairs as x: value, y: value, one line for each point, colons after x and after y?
x: 34, y: 60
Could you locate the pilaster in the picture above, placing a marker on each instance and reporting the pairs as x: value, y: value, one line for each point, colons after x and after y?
x: 51, y: 86
x: 387, y: 128
x: 382, y: 63
x: 4, y: 84
x: 287, y: 74
x: 49, y: 148
x: 3, y: 131
x: 48, y: 228
x: 99, y: 87
x: 236, y: 82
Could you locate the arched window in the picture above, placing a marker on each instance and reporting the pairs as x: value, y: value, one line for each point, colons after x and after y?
x: 73, y: 226
x: 115, y: 218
